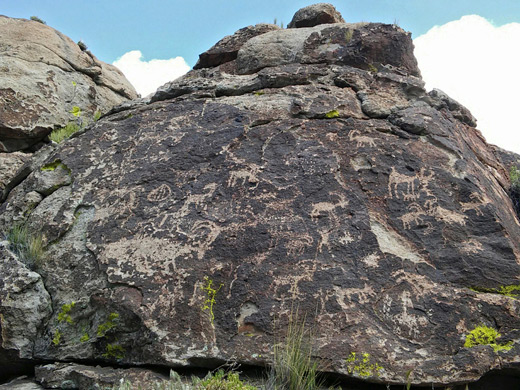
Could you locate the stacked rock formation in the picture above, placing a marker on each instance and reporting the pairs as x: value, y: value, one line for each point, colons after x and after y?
x: 303, y: 167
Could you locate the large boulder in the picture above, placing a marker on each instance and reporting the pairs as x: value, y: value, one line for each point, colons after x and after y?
x: 227, y: 48
x: 183, y: 231
x: 43, y: 74
x: 315, y: 14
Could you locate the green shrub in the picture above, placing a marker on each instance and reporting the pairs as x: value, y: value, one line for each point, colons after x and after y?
x: 28, y: 246
x: 37, y: 19
x: 514, y: 190
x: 484, y: 335
x: 61, y: 134
x: 82, y: 45
x: 223, y: 381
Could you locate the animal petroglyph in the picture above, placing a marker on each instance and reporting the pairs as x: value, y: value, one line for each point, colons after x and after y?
x: 409, y: 188
x: 414, y: 216
x: 476, y: 202
x: 361, y: 140
x: 159, y: 194
x: 243, y: 176
x: 328, y: 208
x: 447, y: 216
x: 397, y: 181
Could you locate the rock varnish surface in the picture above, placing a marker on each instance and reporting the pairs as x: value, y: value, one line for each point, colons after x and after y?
x: 329, y: 181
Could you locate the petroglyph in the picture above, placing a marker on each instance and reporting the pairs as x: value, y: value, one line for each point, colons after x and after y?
x: 472, y: 247
x: 361, y: 140
x: 204, y: 234
x: 414, y: 216
x: 447, y: 216
x: 295, y: 243
x: 397, y: 181
x: 243, y: 176
x: 406, y: 323
x: 410, y: 188
x: 328, y: 208
x: 160, y: 194
x: 477, y: 201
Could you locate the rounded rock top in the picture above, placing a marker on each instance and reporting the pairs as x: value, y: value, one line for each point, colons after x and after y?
x: 313, y: 15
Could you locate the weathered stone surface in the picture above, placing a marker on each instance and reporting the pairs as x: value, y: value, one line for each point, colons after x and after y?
x: 315, y: 14
x: 21, y: 384
x: 354, y: 195
x: 227, y: 48
x: 81, y: 377
x: 9, y: 165
x: 24, y: 305
x: 43, y: 74
x: 362, y: 45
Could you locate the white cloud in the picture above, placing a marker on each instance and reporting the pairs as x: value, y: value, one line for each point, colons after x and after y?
x: 477, y: 64
x: 147, y: 76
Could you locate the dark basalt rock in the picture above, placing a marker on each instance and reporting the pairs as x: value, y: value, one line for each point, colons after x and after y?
x: 352, y: 194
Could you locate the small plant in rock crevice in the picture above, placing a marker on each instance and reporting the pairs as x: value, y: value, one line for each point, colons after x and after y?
x: 28, y: 246
x: 114, y: 351
x: 37, y: 19
x: 105, y: 327
x: 514, y: 190
x: 361, y: 365
x: 210, y: 301
x: 484, y: 335
x: 64, y: 315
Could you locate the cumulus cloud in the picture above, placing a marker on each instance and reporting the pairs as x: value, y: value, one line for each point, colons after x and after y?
x: 147, y: 76
x: 477, y: 64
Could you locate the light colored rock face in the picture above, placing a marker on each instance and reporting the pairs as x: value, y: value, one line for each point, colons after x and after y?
x: 315, y: 14
x: 9, y: 165
x: 77, y: 376
x: 43, y: 74
x: 24, y: 305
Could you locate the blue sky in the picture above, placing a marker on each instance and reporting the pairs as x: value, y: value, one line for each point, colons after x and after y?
x: 165, y: 29
x: 468, y: 48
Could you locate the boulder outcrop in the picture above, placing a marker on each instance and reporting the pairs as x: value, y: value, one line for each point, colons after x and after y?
x: 43, y: 74
x: 183, y: 231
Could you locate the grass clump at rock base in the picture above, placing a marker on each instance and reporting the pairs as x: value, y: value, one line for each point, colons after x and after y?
x: 484, y: 335
x: 220, y: 380
x: 293, y: 367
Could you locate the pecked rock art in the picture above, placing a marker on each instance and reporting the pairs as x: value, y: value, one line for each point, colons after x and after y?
x: 394, y: 234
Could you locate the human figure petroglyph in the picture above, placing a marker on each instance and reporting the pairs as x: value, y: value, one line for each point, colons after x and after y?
x: 361, y: 140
